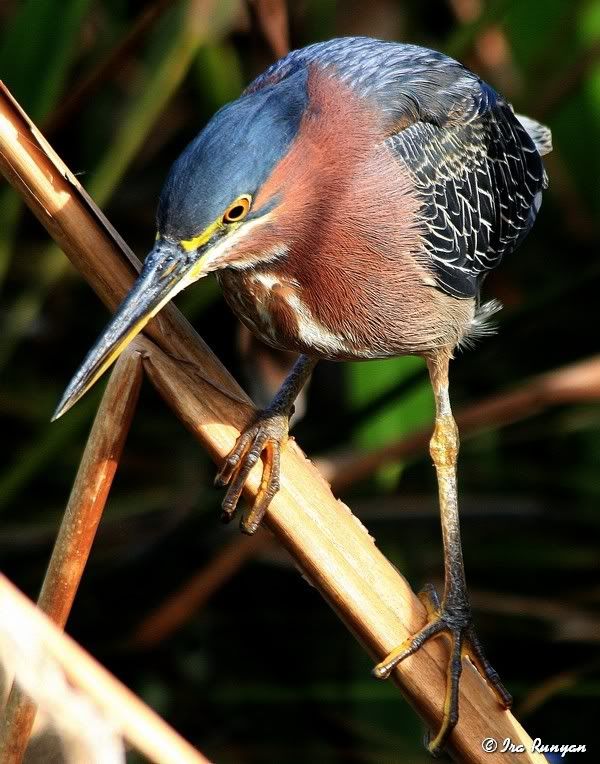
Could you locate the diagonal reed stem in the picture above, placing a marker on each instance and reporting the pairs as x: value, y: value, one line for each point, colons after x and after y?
x: 331, y: 547
x: 78, y: 528
x: 178, y: 608
x: 571, y: 384
x: 134, y: 720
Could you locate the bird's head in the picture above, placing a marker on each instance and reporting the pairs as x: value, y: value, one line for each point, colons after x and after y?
x: 210, y: 215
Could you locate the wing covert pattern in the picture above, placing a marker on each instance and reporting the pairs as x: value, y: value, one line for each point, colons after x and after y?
x: 476, y: 168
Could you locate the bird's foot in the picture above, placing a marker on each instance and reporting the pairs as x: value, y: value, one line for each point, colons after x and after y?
x: 454, y: 621
x: 267, y: 434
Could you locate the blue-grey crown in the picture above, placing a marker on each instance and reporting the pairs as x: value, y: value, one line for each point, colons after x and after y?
x: 234, y: 154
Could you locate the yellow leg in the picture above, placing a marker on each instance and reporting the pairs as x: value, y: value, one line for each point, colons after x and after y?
x: 451, y: 617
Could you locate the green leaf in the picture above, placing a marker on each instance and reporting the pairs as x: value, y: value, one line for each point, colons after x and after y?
x: 35, y: 55
x: 367, y: 380
x: 36, y: 51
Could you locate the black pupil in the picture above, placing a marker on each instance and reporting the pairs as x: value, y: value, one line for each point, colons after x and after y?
x: 236, y: 212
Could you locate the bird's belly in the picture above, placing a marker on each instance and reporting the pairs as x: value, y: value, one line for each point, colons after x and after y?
x: 401, y: 322
x: 273, y: 309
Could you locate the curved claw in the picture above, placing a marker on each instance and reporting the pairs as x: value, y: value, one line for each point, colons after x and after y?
x: 464, y: 642
x: 475, y: 654
x: 265, y: 436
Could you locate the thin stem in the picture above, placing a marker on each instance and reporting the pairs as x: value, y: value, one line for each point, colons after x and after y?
x: 186, y: 601
x: 78, y: 528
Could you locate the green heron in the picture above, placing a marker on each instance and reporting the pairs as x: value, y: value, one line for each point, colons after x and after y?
x: 351, y: 203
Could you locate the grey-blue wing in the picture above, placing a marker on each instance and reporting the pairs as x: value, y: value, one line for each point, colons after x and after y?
x: 480, y: 185
x: 475, y: 167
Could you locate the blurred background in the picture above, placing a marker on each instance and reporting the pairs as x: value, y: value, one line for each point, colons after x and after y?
x: 256, y: 668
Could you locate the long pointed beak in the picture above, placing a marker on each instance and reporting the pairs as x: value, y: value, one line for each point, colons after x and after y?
x: 166, y: 271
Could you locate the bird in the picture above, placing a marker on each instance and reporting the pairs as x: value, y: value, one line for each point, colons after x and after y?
x: 351, y: 203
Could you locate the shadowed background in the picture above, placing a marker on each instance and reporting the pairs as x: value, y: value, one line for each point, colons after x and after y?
x: 262, y: 671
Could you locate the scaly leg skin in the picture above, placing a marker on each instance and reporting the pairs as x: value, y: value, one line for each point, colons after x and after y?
x: 266, y: 434
x: 451, y: 617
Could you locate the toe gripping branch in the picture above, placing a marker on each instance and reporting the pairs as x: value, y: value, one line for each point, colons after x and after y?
x: 453, y: 621
x: 265, y: 436
x: 452, y: 617
x: 267, y: 433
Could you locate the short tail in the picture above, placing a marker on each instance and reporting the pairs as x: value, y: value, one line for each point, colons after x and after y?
x: 539, y: 134
x: 481, y: 325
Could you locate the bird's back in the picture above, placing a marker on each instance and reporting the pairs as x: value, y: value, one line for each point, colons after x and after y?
x: 475, y: 166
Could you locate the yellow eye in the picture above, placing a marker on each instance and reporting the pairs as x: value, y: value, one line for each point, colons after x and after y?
x: 238, y: 210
